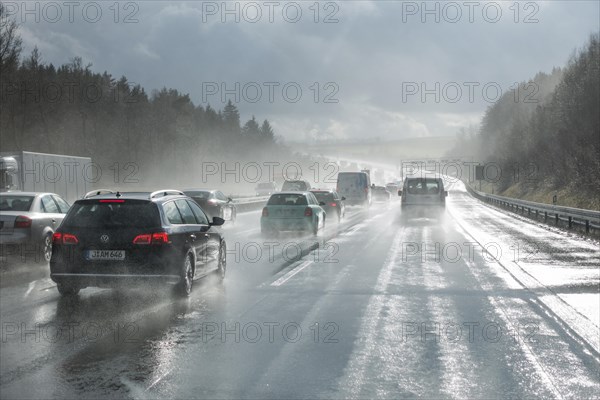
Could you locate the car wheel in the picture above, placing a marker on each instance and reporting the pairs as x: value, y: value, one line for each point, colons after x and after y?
x: 46, y: 248
x: 67, y: 290
x: 222, y: 261
x: 184, y: 287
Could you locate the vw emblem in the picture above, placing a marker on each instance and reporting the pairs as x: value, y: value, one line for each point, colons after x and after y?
x: 104, y: 238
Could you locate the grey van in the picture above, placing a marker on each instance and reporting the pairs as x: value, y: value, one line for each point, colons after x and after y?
x: 355, y: 187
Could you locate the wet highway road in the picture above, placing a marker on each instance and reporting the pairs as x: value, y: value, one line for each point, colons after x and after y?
x: 476, y: 303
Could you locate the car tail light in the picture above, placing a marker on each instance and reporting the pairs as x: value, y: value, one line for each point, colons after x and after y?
x: 22, y: 222
x: 308, y: 212
x: 111, y: 201
x: 152, y: 238
x: 333, y: 204
x: 57, y: 238
x: 160, y: 238
x: 212, y: 202
x: 265, y: 212
x: 67, y: 238
x: 64, y: 238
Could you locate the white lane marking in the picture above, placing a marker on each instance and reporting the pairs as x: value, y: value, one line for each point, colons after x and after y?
x: 352, y: 231
x: 291, y: 273
x: 247, y: 231
x: 31, y: 286
x: 355, y: 373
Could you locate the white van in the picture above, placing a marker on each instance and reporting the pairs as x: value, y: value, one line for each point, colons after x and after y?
x: 355, y: 187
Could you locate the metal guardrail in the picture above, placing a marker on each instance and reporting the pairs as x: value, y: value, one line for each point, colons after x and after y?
x: 247, y: 200
x: 250, y: 203
x: 588, y: 218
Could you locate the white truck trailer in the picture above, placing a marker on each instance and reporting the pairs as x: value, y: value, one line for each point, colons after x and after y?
x: 68, y: 176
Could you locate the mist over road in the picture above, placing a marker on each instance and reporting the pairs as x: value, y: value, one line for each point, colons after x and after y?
x: 434, y: 307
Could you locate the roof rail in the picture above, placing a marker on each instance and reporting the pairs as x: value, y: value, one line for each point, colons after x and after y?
x: 97, y: 193
x: 166, y: 192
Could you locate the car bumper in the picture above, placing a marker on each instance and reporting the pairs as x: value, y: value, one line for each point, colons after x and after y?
x: 15, y: 238
x: 282, y: 225
x: 22, y: 249
x: 113, y: 280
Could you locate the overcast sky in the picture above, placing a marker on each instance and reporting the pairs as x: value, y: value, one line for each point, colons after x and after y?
x: 361, y: 66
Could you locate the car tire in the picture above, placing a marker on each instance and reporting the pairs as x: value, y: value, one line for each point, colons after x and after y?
x: 184, y: 287
x: 67, y: 290
x: 222, y: 267
x: 46, y: 252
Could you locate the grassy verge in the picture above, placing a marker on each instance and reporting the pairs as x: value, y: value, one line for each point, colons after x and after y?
x: 543, y: 193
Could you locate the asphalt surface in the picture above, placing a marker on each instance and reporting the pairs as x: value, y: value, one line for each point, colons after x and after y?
x: 473, y: 303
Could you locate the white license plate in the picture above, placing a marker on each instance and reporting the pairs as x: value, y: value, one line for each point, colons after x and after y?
x: 106, y: 255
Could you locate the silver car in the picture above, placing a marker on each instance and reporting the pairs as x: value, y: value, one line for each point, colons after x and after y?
x: 27, y: 222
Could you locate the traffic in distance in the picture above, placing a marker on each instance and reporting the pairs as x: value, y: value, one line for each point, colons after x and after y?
x: 112, y: 239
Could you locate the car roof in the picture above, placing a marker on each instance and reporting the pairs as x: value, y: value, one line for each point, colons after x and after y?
x: 26, y: 193
x: 132, y: 196
x: 199, y: 190
x: 291, y: 192
x: 433, y: 178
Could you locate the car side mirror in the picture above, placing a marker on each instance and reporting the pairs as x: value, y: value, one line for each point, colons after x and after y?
x: 445, y: 193
x: 229, y: 199
x: 399, y: 192
x: 217, y: 221
x: 343, y: 198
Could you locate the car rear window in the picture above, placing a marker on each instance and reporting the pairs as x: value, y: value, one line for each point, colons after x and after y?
x: 423, y: 186
x: 294, y: 185
x: 15, y: 203
x: 287, y: 200
x: 323, y: 196
x: 350, y: 179
x: 129, y: 213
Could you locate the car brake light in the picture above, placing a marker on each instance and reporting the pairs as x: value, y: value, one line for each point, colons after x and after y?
x: 333, y: 204
x: 57, y: 238
x: 152, y: 238
x: 67, y: 238
x: 143, y: 239
x: 22, y: 222
x: 64, y: 238
x: 265, y: 212
x: 111, y: 201
x: 160, y: 238
x: 308, y: 212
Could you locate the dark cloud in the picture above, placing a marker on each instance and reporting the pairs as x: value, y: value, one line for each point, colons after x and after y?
x: 366, y: 60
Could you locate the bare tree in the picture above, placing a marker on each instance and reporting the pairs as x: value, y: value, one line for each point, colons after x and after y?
x: 10, y: 42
